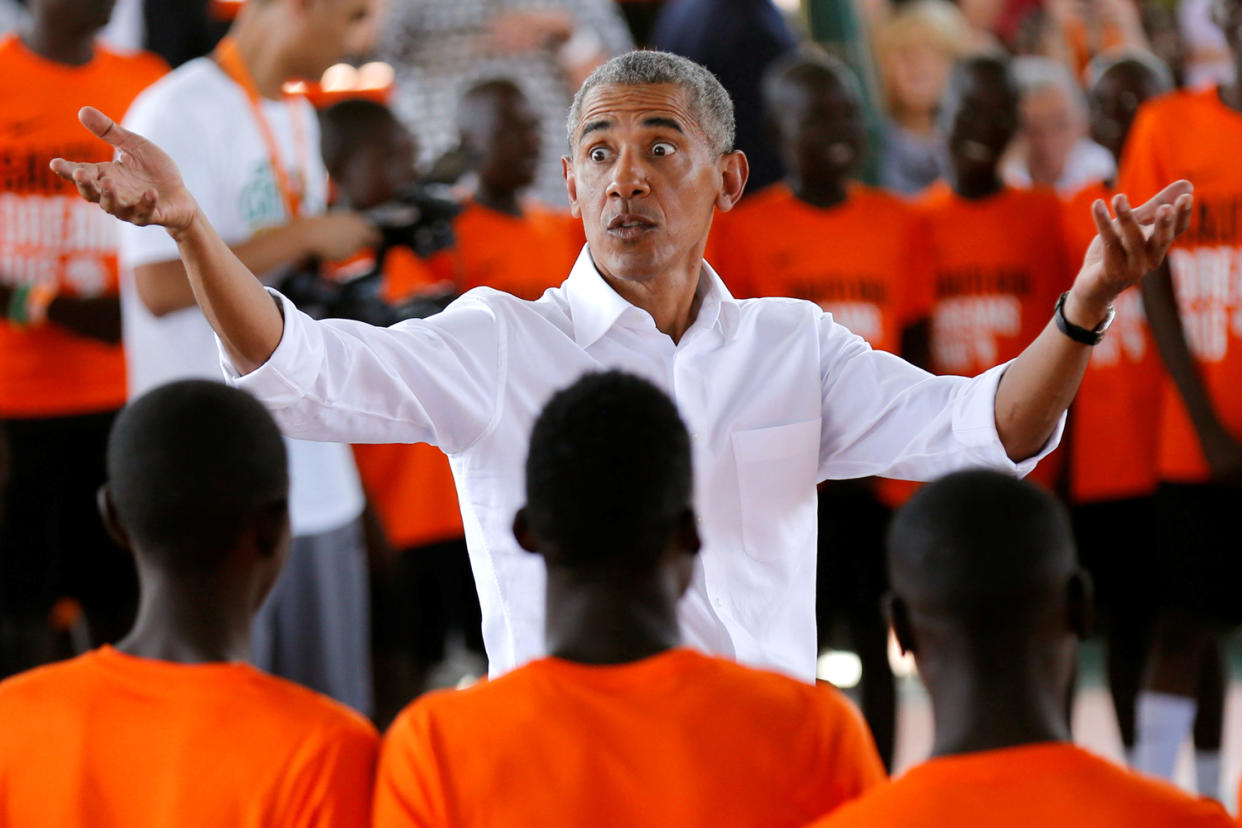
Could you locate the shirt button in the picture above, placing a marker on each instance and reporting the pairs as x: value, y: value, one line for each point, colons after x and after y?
x: 694, y: 436
x: 719, y: 603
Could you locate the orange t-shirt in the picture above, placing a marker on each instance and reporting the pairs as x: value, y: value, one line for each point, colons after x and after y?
x: 676, y: 739
x: 1032, y: 786
x: 863, y: 260
x: 1115, y: 415
x: 49, y: 234
x: 998, y: 265
x: 524, y: 256
x: 108, y: 739
x: 1193, y: 135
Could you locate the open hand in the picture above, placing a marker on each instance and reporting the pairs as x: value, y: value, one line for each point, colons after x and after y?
x: 142, y: 186
x: 1126, y: 248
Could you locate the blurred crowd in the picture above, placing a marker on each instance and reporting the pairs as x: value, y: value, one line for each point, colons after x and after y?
x: 924, y: 170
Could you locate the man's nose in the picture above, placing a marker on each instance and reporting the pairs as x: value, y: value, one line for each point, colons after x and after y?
x: 629, y: 177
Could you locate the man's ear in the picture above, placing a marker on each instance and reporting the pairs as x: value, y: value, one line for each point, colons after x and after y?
x: 107, y: 514
x: 571, y: 185
x: 899, y: 616
x: 684, y: 545
x: 522, y: 531
x: 1080, y: 604
x: 734, y: 170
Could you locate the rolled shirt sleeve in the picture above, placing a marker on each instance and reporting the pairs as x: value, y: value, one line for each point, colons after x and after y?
x: 435, y: 380
x: 883, y: 416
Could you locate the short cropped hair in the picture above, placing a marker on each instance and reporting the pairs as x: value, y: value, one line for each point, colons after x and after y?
x: 977, y: 544
x: 345, y: 125
x: 188, y: 464
x: 811, y: 64
x: 710, y: 104
x: 1139, y: 58
x: 608, y: 473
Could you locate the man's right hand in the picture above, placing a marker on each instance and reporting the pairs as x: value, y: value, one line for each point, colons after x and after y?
x: 142, y: 186
x: 337, y: 235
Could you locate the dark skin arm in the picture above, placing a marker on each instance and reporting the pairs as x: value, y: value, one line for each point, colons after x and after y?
x: 1222, y: 451
x: 97, y: 317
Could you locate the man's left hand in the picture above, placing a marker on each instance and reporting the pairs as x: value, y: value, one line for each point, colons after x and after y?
x: 1125, y: 249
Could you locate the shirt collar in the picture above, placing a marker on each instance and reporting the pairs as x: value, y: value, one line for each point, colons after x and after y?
x: 595, y: 307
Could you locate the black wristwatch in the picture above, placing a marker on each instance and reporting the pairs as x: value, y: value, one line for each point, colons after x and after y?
x: 1074, y: 332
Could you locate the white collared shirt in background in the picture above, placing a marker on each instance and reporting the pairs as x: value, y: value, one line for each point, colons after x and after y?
x: 776, y: 396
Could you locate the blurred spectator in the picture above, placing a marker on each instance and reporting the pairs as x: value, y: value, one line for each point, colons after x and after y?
x: 1208, y: 60
x: 1075, y: 31
x: 736, y: 40
x: 62, y: 370
x: 126, y: 30
x: 915, y: 51
x: 440, y: 48
x: 1052, y: 147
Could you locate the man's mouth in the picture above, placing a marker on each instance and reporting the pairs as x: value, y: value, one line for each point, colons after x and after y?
x: 629, y: 226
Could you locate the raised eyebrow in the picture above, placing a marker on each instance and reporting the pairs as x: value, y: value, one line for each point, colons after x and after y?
x: 594, y: 126
x: 660, y: 121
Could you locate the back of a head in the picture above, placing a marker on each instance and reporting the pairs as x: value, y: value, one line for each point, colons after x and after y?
x: 980, y: 548
x: 189, y: 463
x: 608, y: 474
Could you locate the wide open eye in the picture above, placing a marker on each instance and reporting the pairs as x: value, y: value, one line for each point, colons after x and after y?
x: 600, y: 155
x: 662, y: 148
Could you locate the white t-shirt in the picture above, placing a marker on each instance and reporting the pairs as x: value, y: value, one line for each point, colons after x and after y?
x: 204, y: 121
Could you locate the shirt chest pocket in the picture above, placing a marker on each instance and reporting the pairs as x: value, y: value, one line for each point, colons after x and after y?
x: 776, y: 470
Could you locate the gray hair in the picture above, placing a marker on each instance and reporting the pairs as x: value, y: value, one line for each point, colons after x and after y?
x: 709, y: 103
x: 1035, y: 74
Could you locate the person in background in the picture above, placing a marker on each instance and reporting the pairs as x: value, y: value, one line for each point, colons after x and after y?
x: 12, y: 15
x: 172, y: 726
x: 1195, y: 313
x: 252, y: 152
x: 988, y: 597
x: 1053, y: 148
x: 440, y: 48
x: 997, y: 253
x: 426, y: 629
x: 62, y: 369
x: 915, y: 52
x: 620, y: 724
x: 504, y: 241
x: 858, y: 253
x: 735, y: 40
x: 1114, y: 420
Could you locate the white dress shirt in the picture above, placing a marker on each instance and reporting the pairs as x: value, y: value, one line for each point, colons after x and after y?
x: 776, y: 396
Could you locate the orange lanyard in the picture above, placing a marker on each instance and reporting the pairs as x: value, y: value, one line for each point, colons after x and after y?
x: 230, y: 60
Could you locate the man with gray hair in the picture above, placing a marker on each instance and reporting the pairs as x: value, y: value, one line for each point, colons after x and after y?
x: 1054, y: 149
x: 777, y: 396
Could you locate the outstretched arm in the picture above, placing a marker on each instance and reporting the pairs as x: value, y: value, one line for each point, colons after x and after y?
x: 1040, y: 384
x: 144, y: 187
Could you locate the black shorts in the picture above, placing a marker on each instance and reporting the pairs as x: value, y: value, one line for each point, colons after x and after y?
x: 852, y: 575
x: 1117, y: 545
x: 1200, y: 550
x: 52, y: 540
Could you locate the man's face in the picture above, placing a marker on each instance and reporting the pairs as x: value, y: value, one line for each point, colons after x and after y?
x: 1052, y: 127
x: 377, y: 171
x: 1114, y: 101
x: 328, y: 31
x: 821, y: 129
x: 644, y: 179
x: 511, y: 144
x: 982, y: 116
